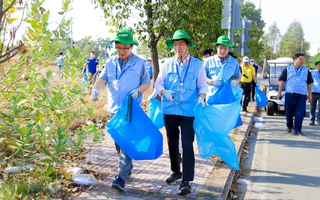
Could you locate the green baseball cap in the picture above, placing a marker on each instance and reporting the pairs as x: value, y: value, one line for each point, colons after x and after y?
x: 179, y: 35
x: 316, y: 63
x: 224, y: 40
x: 124, y: 36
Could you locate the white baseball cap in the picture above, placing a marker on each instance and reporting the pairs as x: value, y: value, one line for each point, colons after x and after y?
x: 251, y: 60
x: 245, y: 59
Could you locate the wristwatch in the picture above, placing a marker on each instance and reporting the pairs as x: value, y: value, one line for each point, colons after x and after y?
x: 139, y: 92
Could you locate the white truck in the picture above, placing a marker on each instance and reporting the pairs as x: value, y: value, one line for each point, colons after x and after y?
x: 275, y: 69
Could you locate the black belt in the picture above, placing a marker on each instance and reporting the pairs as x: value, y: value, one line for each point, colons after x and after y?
x: 316, y: 93
x: 296, y: 95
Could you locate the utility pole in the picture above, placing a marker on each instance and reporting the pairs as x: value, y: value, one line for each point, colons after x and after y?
x: 243, y: 48
x: 231, y: 13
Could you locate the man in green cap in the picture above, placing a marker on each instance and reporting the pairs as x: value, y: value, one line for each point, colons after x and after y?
x: 315, y: 93
x: 181, y: 84
x: 126, y: 74
x: 221, y: 68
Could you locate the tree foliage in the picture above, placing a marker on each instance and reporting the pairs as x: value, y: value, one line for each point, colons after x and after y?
x: 159, y: 19
x: 253, y: 15
x: 39, y: 107
x: 293, y: 41
x: 271, y: 42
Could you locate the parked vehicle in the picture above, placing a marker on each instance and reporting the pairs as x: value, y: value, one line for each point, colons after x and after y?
x: 275, y: 69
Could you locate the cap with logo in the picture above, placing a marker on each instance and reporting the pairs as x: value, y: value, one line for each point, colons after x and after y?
x: 224, y: 40
x: 124, y: 36
x: 179, y: 35
x: 245, y: 59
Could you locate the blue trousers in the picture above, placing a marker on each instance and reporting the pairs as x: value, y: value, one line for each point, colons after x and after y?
x: 313, y: 105
x: 295, y: 107
x: 125, y: 163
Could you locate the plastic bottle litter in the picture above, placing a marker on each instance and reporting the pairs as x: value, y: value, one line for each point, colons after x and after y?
x: 259, y: 125
x: 12, y: 170
x: 90, y: 158
x: 81, y: 179
x: 245, y: 151
x: 75, y: 171
x: 243, y: 181
x: 85, y: 179
x: 258, y: 119
x: 88, y: 122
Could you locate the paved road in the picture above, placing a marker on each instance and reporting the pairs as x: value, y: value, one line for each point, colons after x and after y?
x: 282, y: 166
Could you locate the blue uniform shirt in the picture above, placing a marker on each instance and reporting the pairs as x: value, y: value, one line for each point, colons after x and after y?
x: 297, y: 80
x: 316, y: 81
x: 92, y: 65
x: 149, y: 67
x: 186, y: 79
x: 122, y: 82
x: 222, y: 70
x: 60, y: 61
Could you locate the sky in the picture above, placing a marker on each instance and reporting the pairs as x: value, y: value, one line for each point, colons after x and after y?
x: 284, y: 12
x: 87, y: 21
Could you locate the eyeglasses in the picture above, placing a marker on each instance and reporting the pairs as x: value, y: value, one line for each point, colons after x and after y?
x: 124, y: 49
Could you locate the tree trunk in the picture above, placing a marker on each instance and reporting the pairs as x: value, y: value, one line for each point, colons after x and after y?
x: 153, y: 42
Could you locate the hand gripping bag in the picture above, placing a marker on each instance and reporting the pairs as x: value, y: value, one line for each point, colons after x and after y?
x: 155, y: 113
x: 225, y: 95
x: 261, y: 98
x: 211, y: 142
x: 135, y: 133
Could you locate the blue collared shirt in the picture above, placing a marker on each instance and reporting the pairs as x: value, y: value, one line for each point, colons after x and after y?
x: 122, y: 82
x: 190, y: 75
x: 316, y: 80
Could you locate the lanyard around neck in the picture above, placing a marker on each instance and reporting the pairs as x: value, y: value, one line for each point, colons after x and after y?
x: 185, y: 75
x: 123, y: 64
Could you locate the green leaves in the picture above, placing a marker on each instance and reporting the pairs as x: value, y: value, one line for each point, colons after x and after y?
x: 39, y: 106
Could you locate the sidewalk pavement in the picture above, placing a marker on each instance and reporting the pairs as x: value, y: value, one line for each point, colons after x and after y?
x: 148, y: 176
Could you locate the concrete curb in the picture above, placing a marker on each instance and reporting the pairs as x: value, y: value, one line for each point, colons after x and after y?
x: 230, y: 177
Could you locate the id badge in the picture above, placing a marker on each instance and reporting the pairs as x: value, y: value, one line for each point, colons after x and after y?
x: 115, y: 84
x: 298, y: 78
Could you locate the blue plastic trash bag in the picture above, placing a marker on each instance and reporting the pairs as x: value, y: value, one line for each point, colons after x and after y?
x: 225, y: 95
x: 261, y: 98
x: 211, y: 142
x: 135, y: 133
x: 155, y: 113
x: 85, y: 78
x: 237, y: 92
x: 221, y: 95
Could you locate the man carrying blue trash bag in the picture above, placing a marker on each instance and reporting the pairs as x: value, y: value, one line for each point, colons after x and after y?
x: 213, y: 122
x: 135, y: 136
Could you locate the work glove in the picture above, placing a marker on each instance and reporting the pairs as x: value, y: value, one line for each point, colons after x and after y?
x: 135, y: 93
x: 233, y: 83
x: 168, y: 94
x: 94, y: 95
x: 201, y: 101
x: 216, y: 82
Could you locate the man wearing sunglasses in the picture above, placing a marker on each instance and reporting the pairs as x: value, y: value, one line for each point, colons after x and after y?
x: 182, y: 84
x: 125, y: 73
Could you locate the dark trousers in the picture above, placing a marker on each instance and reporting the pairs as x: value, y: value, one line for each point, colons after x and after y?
x: 295, y: 106
x: 253, y: 91
x: 172, y: 122
x: 246, y: 99
x: 313, y: 106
